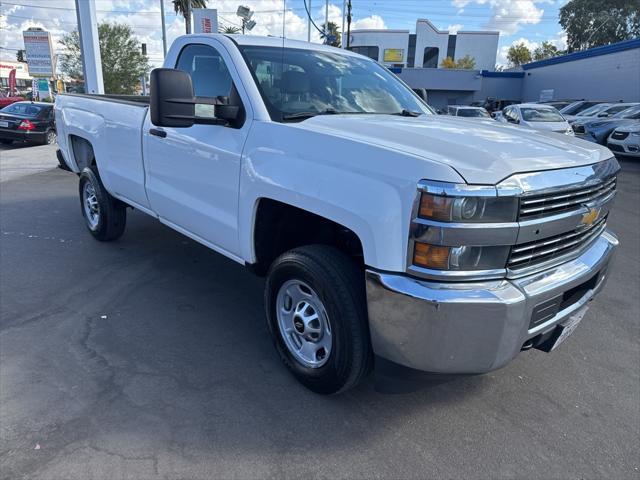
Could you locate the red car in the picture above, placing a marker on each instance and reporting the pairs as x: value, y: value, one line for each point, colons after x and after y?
x: 8, y: 100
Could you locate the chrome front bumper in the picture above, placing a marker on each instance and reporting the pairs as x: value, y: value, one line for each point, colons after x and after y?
x: 475, y: 327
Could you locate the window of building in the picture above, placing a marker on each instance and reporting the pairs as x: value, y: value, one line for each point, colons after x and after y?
x: 431, y: 57
x: 411, y: 53
x: 371, y: 52
x: 451, y: 47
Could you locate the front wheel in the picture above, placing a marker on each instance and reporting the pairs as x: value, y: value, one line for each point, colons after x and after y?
x: 104, y: 215
x: 317, y: 317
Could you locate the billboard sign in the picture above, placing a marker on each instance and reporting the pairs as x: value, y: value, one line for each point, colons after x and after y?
x: 394, y: 55
x: 37, y: 43
x: 205, y: 20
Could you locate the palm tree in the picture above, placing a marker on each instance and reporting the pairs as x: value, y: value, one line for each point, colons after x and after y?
x: 180, y: 6
x: 332, y: 34
x: 230, y: 29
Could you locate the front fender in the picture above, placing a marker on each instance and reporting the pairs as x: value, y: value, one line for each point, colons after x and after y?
x: 365, y: 188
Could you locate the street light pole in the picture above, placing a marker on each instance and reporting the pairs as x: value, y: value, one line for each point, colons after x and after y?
x: 309, y: 24
x: 187, y: 19
x: 164, y: 29
x: 89, y: 46
x: 326, y: 20
x: 344, y: 7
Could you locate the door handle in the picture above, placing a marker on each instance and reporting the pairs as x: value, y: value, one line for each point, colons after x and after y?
x: 158, y: 132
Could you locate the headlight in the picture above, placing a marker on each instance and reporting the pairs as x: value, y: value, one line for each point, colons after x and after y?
x: 463, y: 258
x: 468, y: 209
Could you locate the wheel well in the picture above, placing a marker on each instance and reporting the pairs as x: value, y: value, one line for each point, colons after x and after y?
x: 82, y: 152
x: 280, y: 227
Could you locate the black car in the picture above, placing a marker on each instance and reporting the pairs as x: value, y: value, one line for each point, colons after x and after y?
x: 28, y: 121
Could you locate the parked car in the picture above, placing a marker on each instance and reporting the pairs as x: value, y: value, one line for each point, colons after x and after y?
x: 467, y: 112
x: 598, y: 130
x: 558, y: 104
x: 626, y: 140
x: 382, y: 229
x: 536, y: 116
x: 495, y: 104
x: 29, y: 122
x: 600, y: 111
x: 578, y: 106
x: 6, y: 99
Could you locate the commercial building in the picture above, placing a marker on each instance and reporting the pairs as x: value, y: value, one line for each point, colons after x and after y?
x: 23, y: 79
x: 608, y: 73
x: 426, y: 48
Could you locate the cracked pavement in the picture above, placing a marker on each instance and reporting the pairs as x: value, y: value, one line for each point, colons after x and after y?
x: 149, y: 358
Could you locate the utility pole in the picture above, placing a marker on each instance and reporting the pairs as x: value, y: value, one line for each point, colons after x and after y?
x: 164, y: 29
x: 309, y: 24
x: 187, y: 18
x: 326, y: 20
x: 348, y: 23
x: 344, y: 7
x: 89, y: 46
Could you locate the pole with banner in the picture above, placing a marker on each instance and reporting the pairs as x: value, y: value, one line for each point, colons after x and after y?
x: 12, y: 82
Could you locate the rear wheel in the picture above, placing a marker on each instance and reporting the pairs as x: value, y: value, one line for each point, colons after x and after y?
x: 316, y: 313
x: 105, y: 216
x: 50, y: 137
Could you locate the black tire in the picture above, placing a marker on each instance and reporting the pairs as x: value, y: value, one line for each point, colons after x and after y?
x: 339, y: 283
x: 6, y: 141
x: 50, y: 137
x: 112, y: 213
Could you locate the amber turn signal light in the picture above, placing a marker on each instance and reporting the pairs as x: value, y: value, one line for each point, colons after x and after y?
x: 431, y: 256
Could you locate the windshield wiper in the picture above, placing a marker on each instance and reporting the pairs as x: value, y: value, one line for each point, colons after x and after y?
x: 302, y: 115
x: 407, y: 113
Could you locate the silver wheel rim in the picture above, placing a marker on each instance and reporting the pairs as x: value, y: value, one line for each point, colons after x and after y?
x: 91, y: 206
x: 304, y: 324
x: 51, y: 137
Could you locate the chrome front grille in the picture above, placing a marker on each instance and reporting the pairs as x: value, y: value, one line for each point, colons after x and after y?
x: 542, y: 205
x: 540, y: 251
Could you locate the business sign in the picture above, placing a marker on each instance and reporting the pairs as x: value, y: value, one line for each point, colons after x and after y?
x: 393, y: 55
x: 546, y: 95
x: 40, y: 89
x: 37, y: 43
x: 12, y: 81
x: 205, y: 20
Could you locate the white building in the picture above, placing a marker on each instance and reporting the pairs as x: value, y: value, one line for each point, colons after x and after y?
x: 427, y: 48
x: 23, y: 79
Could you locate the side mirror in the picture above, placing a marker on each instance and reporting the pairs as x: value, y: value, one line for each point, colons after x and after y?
x: 172, y: 103
x: 171, y: 98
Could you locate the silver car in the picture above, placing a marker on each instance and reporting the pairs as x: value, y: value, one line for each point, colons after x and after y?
x: 625, y: 140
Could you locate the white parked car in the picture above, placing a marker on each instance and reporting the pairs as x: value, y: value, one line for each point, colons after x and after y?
x: 536, y: 116
x: 383, y: 230
x: 625, y: 140
x: 468, y: 112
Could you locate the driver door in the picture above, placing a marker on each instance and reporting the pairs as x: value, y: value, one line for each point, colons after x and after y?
x: 192, y: 174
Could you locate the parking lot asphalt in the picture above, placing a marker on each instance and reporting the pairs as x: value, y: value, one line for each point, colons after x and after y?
x: 149, y: 358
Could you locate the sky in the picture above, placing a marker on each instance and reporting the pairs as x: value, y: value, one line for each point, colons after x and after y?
x: 528, y: 21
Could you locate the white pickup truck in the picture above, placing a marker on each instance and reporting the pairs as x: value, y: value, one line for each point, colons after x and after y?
x: 437, y: 243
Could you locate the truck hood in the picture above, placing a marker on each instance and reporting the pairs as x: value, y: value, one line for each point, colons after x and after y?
x: 484, y: 152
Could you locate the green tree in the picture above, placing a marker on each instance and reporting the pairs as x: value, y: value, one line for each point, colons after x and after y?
x: 333, y: 31
x: 518, y: 54
x: 180, y: 6
x: 122, y: 60
x: 466, y: 63
x: 21, y: 55
x: 546, y: 50
x: 591, y: 23
x: 230, y: 30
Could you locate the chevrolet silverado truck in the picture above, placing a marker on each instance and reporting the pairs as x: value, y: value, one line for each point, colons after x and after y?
x: 384, y: 231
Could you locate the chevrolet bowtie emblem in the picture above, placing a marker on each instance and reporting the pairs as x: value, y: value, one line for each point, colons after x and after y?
x: 590, y: 217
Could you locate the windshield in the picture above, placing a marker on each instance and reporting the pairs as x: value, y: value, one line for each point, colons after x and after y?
x: 616, y: 109
x: 541, y: 115
x: 26, y: 109
x: 298, y: 83
x: 472, y: 112
x: 631, y: 112
x: 595, y: 109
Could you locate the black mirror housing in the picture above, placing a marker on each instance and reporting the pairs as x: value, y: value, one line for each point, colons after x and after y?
x: 171, y: 99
